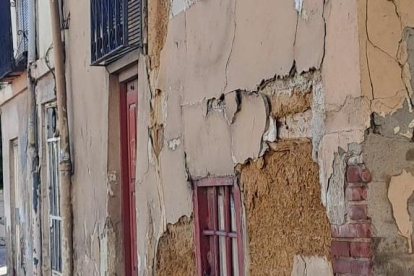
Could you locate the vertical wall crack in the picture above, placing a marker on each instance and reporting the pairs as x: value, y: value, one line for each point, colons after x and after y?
x: 232, y: 46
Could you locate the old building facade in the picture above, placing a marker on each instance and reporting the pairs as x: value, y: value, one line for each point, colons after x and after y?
x: 208, y: 137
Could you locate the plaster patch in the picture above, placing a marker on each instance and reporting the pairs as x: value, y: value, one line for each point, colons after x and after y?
x: 335, y: 204
x: 400, y: 189
x: 248, y: 127
x: 330, y: 145
x: 289, y: 96
x: 401, y: 122
x: 296, y: 126
x: 311, y: 266
x: 318, y: 115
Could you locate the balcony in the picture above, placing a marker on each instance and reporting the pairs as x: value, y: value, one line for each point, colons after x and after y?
x: 115, y: 29
x: 13, y: 39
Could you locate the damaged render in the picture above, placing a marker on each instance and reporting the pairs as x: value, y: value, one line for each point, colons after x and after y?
x: 175, y: 250
x: 284, y: 185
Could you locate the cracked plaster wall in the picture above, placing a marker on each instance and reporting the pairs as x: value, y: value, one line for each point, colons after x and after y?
x: 94, y: 179
x: 213, y: 92
x: 386, y: 62
x: 219, y: 97
x: 215, y: 82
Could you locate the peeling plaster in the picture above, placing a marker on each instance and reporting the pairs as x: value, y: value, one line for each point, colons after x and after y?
x: 174, y: 143
x: 296, y: 126
x: 298, y: 5
x: 400, y: 189
x: 336, y: 204
x: 329, y: 145
x: 248, y: 127
x: 271, y: 133
x: 178, y: 6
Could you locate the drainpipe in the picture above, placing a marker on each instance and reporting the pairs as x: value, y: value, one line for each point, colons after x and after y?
x: 65, y: 164
x: 33, y: 144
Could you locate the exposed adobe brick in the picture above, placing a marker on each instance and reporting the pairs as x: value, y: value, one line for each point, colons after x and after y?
x: 341, y: 249
x: 357, y: 212
x: 352, y: 266
x: 354, y: 193
x: 361, y: 249
x: 357, y: 174
x: 352, y: 230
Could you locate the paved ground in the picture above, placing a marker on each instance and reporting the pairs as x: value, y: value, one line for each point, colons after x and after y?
x: 3, y: 268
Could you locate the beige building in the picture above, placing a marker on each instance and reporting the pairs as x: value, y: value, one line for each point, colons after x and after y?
x: 208, y: 137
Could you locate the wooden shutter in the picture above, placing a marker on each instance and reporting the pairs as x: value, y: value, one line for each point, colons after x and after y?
x: 134, y: 22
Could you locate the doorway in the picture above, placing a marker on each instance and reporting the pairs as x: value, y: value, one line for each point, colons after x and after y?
x: 128, y: 116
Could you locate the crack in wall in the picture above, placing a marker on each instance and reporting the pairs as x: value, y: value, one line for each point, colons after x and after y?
x: 231, y: 48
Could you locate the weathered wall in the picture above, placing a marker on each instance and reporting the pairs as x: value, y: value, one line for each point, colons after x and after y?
x: 216, y: 97
x: 14, y: 116
x: 218, y: 90
x: 387, y: 50
x: 88, y: 96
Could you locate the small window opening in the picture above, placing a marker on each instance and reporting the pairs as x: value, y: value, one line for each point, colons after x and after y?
x: 219, y: 244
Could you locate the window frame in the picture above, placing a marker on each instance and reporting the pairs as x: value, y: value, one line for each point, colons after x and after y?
x: 56, y: 216
x: 205, y: 199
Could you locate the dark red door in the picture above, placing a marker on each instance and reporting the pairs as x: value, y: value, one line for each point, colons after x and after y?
x: 129, y: 97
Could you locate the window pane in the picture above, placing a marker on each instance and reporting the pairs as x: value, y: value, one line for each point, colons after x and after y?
x: 233, y: 215
x: 235, y: 259
x: 222, y: 255
x: 221, y: 215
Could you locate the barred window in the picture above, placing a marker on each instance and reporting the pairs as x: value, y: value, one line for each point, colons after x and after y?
x: 217, y: 208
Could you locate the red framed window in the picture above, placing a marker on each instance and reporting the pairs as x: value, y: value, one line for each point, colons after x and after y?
x: 219, y: 244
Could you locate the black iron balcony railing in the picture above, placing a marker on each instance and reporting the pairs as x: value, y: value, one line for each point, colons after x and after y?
x: 115, y: 29
x: 13, y: 53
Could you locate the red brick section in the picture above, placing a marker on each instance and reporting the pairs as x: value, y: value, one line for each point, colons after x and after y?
x: 351, y: 245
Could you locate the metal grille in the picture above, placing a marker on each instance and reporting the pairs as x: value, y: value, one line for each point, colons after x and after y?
x: 6, y: 39
x: 22, y: 28
x: 115, y: 29
x: 54, y: 190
